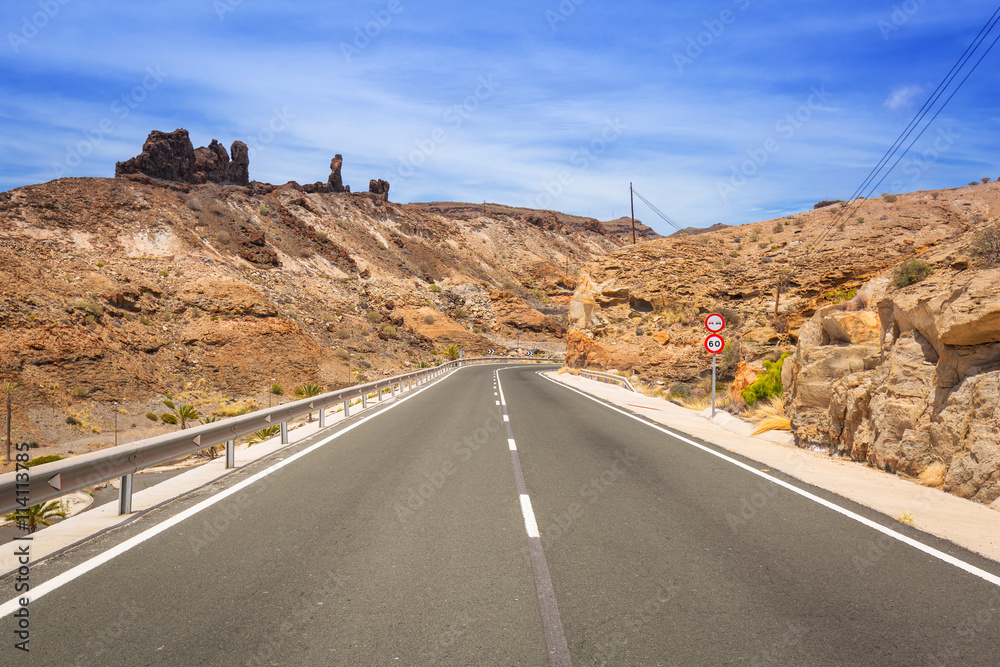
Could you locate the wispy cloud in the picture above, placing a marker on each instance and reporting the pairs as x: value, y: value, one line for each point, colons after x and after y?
x: 903, y: 98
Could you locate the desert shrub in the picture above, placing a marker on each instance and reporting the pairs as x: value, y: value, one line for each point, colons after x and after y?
x: 389, y: 331
x: 152, y: 416
x: 911, y: 271
x: 461, y: 313
x: 985, y: 179
x: 341, y: 224
x: 861, y: 218
x: 935, y: 195
x: 92, y: 308
x: 763, y: 244
x: 780, y: 324
x: 681, y: 389
x: 767, y: 385
x: 986, y: 245
x: 343, y: 333
x: 342, y: 354
x: 277, y: 389
x: 100, y: 264
x: 778, y: 227
x: 889, y: 198
x: 72, y: 421
x: 223, y: 237
x: 841, y: 294
x: 321, y: 236
x: 263, y: 434
x: 262, y: 210
x: 168, y: 418
x: 754, y: 235
x: 428, y: 319
x: 729, y: 358
x: 80, y: 392
x: 43, y: 459
x: 735, y: 253
x: 373, y: 316
x: 194, y: 204
x: 434, y: 288
x: 799, y: 222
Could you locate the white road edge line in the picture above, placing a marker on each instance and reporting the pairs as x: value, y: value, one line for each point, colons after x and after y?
x: 529, y: 516
x: 37, y: 592
x: 512, y: 444
x: 931, y: 551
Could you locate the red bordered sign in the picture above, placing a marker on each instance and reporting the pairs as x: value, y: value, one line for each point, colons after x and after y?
x: 715, y: 323
x: 714, y: 343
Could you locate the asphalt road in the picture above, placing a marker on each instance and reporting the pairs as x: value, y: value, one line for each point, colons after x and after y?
x: 404, y: 542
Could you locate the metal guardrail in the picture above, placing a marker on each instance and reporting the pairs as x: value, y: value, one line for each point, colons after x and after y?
x: 49, y: 481
x: 608, y: 377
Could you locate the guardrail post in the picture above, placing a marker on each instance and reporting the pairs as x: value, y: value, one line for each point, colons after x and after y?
x: 322, y: 417
x: 230, y: 454
x: 284, y: 433
x: 364, y: 400
x: 392, y: 389
x: 125, y: 495
x: 379, y: 390
x: 347, y: 408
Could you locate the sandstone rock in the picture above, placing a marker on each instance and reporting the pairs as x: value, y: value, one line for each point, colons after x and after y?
x: 583, y: 304
x: 858, y: 328
x: 661, y: 337
x: 516, y: 314
x: 582, y: 352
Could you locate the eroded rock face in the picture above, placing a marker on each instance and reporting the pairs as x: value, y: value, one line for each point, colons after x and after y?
x: 170, y: 156
x: 916, y: 386
x: 582, y: 352
x: 379, y: 188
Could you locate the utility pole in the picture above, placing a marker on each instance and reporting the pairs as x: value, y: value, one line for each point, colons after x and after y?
x: 632, y: 202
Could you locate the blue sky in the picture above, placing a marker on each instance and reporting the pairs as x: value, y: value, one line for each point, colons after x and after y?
x: 721, y: 111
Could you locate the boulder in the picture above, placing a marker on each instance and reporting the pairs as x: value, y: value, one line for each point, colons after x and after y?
x: 582, y: 352
x: 857, y: 328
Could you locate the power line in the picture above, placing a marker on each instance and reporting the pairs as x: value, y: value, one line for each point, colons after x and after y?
x: 666, y: 218
x: 859, y: 195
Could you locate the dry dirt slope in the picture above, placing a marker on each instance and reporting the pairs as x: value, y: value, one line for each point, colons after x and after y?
x: 125, y: 289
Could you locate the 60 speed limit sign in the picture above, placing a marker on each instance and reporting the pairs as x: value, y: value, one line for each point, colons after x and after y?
x: 714, y: 343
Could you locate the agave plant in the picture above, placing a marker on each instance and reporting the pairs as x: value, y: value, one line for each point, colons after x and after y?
x: 309, y: 390
x: 263, y: 434
x: 182, y: 412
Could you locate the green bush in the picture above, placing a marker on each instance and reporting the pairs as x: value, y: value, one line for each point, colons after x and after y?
x: 434, y: 288
x: 886, y: 197
x: 389, y: 331
x: 911, y: 271
x: 80, y: 392
x: 152, y: 416
x: 768, y: 384
x: 428, y: 319
x: 168, y: 418
x: 43, y: 459
x: 277, y: 390
x: 461, y: 313
x: 681, y: 389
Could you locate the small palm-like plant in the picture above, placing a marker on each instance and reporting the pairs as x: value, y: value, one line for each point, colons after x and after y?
x: 211, y: 451
x: 308, y: 390
x: 38, y: 515
x: 451, y: 352
x: 182, y: 411
x: 263, y: 434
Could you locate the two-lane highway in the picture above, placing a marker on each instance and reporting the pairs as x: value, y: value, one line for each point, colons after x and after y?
x: 405, y: 540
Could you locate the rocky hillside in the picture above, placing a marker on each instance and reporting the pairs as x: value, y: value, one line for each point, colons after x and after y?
x: 904, y: 378
x: 125, y: 289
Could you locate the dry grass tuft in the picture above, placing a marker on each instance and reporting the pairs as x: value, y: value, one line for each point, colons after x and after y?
x: 933, y: 476
x: 770, y: 416
x: 906, y: 518
x: 773, y: 423
x: 567, y: 369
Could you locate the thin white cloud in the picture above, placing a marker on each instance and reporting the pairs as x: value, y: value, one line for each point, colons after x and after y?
x: 903, y: 98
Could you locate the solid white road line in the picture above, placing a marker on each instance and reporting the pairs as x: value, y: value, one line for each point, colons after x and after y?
x: 931, y: 551
x: 42, y: 589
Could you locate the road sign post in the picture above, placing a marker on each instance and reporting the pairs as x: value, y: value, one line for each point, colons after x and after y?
x: 714, y: 343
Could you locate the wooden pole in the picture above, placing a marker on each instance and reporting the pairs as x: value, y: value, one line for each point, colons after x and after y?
x: 632, y: 202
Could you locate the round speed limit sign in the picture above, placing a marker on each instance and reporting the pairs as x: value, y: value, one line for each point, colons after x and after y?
x: 714, y: 343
